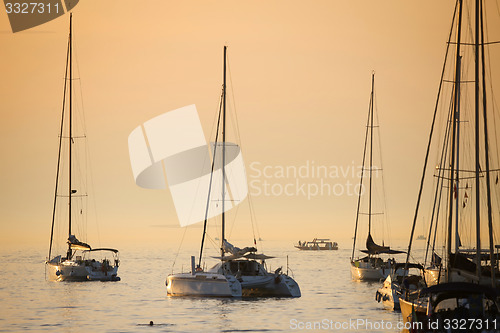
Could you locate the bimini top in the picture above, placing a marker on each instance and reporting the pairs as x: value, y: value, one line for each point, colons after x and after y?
x: 373, y: 248
x: 461, y: 287
x: 410, y: 265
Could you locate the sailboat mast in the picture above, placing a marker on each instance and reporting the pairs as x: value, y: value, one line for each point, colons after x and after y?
x: 487, y: 157
x: 223, y: 154
x: 454, y: 125
x: 371, y: 159
x: 457, y: 181
x: 360, y: 185
x: 61, y: 134
x: 476, y: 148
x: 70, y: 125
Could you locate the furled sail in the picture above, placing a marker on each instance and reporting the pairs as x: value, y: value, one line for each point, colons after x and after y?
x: 76, y: 244
x: 374, y: 248
x: 230, y: 248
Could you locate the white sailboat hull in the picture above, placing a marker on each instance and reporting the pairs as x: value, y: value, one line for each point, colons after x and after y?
x: 388, y: 297
x: 203, y: 284
x: 389, y: 294
x: 78, y: 271
x: 365, y: 272
x: 256, y: 281
x: 277, y: 286
x: 99, y: 275
x: 66, y: 271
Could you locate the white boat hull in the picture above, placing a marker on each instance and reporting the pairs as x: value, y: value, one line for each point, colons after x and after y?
x: 270, y: 286
x: 369, y: 273
x: 81, y: 270
x: 203, y: 284
x: 256, y: 281
x: 388, y: 299
x: 66, y: 271
x: 389, y: 294
x: 98, y: 275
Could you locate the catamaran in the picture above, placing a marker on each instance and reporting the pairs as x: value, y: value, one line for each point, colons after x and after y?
x: 240, y: 271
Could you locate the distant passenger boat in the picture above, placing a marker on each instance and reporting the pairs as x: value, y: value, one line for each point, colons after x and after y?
x: 317, y: 244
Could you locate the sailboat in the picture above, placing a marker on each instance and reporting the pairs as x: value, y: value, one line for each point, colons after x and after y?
x: 465, y: 274
x: 81, y: 262
x: 372, y: 266
x: 240, y: 271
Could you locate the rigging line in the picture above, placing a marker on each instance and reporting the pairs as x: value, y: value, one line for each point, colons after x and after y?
x: 384, y: 195
x: 179, y: 249
x: 360, y: 187
x: 87, y: 160
x: 429, y: 142
x: 253, y: 219
x: 210, y: 185
x: 238, y: 133
x: 59, y: 155
x: 238, y: 136
x: 439, y: 187
x: 216, y: 117
x: 235, y: 214
x: 207, y: 156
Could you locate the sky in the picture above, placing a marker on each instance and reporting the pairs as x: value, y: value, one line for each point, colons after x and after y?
x: 300, y: 75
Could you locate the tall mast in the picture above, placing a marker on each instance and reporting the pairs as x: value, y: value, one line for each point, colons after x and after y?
x: 478, y: 167
x: 371, y: 158
x: 487, y: 158
x: 223, y: 154
x: 452, y: 169
x: 61, y: 134
x: 70, y: 125
x: 457, y: 181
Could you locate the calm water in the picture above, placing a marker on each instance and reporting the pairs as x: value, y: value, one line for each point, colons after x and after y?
x: 30, y: 303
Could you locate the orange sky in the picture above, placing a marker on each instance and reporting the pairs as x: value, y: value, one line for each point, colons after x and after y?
x: 301, y: 75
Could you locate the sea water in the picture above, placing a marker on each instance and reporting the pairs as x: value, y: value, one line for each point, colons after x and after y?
x: 331, y: 300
